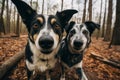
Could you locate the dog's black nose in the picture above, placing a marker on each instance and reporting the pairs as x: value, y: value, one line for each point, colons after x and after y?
x: 46, y: 42
x: 78, y: 44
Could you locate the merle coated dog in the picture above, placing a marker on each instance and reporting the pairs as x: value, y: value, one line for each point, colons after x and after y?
x: 44, y: 37
x: 74, y: 45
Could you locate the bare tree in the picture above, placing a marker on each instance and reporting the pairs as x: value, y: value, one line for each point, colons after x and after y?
x: 14, y: 16
x: 2, y: 27
x: 62, y: 5
x: 43, y: 7
x: 100, y: 19
x: 7, y: 18
x: 90, y: 10
x: 116, y: 32
x: 17, y: 26
x: 109, y: 22
x: 84, y: 11
x: 31, y: 3
x: 10, y: 11
x: 104, y: 20
x: 36, y: 5
x: 72, y: 4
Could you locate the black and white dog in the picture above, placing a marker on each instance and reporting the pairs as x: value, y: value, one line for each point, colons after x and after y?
x: 74, y: 45
x: 45, y: 34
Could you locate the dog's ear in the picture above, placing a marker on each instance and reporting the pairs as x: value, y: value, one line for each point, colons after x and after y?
x: 25, y: 11
x: 65, y: 16
x: 69, y: 26
x: 91, y: 26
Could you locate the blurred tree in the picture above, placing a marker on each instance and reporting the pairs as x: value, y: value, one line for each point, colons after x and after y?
x: 37, y: 5
x: 84, y: 11
x: 107, y: 36
x: 2, y: 27
x: 62, y: 5
x: 10, y: 11
x: 14, y: 17
x: 7, y: 31
x: 18, y: 26
x: 104, y: 21
x: 98, y: 33
x: 116, y: 31
x: 90, y: 10
x: 72, y: 4
x: 43, y: 7
x: 31, y: 3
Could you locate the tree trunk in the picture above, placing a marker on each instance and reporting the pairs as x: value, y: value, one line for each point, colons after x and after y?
x: 62, y: 5
x: 84, y: 11
x: 17, y: 26
x: 72, y: 4
x: 7, y: 65
x: 31, y: 3
x: 7, y: 18
x: 104, y: 21
x: 2, y: 27
x: 14, y: 29
x: 90, y: 10
x: 98, y: 33
x: 109, y: 22
x: 116, y: 31
x: 10, y: 15
x: 37, y: 5
x: 43, y: 7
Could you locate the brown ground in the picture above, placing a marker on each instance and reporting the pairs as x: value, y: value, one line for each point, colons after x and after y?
x: 94, y: 69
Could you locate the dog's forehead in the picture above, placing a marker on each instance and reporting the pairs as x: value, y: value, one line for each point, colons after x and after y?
x: 79, y: 27
x: 45, y: 17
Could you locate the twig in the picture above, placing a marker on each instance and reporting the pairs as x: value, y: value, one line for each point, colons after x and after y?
x: 105, y: 60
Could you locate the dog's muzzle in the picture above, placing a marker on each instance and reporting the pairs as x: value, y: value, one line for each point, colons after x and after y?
x: 77, y: 44
x: 46, y: 42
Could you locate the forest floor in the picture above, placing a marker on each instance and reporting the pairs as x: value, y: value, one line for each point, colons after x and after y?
x: 95, y: 69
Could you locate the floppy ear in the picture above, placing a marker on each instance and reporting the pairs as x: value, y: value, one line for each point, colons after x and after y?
x: 65, y: 16
x: 91, y: 26
x: 69, y: 26
x: 25, y: 11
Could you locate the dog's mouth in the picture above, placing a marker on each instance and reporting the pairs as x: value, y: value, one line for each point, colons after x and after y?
x: 46, y: 51
x: 77, y: 48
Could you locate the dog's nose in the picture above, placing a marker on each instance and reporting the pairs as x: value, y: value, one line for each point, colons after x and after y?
x: 46, y: 42
x: 78, y: 44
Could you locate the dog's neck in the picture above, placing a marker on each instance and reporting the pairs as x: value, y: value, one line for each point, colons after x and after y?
x: 69, y: 58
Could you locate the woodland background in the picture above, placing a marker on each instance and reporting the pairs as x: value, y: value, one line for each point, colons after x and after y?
x: 102, y: 60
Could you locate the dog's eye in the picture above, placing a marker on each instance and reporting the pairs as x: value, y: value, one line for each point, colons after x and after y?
x: 85, y: 32
x: 72, y: 32
x: 35, y: 26
x: 57, y: 26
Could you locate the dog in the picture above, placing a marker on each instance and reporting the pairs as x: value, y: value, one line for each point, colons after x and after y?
x: 44, y: 37
x: 73, y: 48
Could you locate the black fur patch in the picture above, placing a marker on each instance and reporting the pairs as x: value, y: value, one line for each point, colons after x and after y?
x: 28, y: 53
x: 68, y: 58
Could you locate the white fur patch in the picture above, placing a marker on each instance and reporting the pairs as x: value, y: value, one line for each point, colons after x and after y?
x: 80, y: 36
x: 79, y: 65
x: 37, y: 55
x: 30, y: 66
